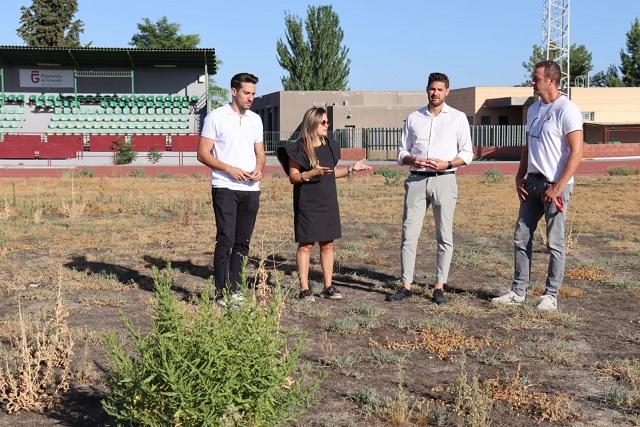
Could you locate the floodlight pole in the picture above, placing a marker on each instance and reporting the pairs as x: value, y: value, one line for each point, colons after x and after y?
x: 556, y: 38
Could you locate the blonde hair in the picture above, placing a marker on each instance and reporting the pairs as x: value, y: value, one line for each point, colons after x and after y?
x: 309, y: 132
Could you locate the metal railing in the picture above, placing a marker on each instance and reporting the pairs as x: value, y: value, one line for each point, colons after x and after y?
x: 389, y: 138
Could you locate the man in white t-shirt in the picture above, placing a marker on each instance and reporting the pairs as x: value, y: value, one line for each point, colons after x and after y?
x: 549, y: 160
x: 231, y: 144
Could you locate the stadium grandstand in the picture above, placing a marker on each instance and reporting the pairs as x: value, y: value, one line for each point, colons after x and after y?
x: 56, y: 103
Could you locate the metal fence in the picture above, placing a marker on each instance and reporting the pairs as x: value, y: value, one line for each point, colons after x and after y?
x: 389, y: 138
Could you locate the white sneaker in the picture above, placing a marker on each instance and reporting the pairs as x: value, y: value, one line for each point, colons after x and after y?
x: 510, y: 298
x: 547, y: 302
x: 235, y: 301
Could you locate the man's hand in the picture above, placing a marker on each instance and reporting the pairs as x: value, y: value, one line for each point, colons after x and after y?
x: 437, y: 164
x: 420, y: 162
x: 551, y: 193
x: 256, y: 175
x: 522, y: 193
x: 238, y: 174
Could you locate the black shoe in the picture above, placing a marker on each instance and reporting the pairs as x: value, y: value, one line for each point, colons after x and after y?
x: 331, y: 293
x: 438, y: 296
x: 306, y: 295
x: 399, y: 295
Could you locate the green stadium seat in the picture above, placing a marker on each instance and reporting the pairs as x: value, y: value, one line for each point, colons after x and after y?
x: 124, y: 98
x: 159, y: 98
x: 141, y: 104
x: 194, y: 99
x: 185, y: 98
x: 113, y: 104
x: 150, y: 98
x: 11, y: 98
x: 167, y: 98
x: 51, y: 98
x: 20, y: 98
x: 32, y: 98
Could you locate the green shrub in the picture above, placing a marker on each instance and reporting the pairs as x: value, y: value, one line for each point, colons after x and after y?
x: 87, y: 173
x: 207, y: 366
x: 123, y: 152
x: 391, y: 176
x: 154, y: 156
x: 493, y: 176
x: 163, y: 175
x: 137, y: 173
x: 623, y: 171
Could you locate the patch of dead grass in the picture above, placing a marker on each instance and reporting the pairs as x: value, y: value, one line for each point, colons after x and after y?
x: 536, y: 404
x: 441, y: 342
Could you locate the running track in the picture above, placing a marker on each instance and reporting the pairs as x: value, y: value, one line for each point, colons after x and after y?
x: 587, y: 167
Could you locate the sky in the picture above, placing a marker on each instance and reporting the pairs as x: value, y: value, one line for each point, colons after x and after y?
x: 393, y: 45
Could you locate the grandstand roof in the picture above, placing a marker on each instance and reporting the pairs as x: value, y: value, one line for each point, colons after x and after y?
x: 107, y: 57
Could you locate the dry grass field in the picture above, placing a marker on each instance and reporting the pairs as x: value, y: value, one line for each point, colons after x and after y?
x: 408, y: 363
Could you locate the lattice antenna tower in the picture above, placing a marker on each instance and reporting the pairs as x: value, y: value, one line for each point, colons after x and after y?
x: 556, y: 38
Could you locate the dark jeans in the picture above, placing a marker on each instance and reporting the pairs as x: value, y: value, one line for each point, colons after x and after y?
x: 235, y: 213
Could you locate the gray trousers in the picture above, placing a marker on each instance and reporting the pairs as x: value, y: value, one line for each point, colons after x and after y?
x: 531, y: 210
x: 441, y: 192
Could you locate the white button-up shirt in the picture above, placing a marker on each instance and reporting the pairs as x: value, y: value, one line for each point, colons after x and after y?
x: 444, y: 137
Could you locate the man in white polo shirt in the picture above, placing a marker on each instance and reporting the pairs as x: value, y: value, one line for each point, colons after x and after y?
x: 231, y: 144
x: 549, y: 160
x: 435, y: 141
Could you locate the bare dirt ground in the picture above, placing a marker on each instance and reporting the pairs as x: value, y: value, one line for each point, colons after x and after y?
x: 403, y: 363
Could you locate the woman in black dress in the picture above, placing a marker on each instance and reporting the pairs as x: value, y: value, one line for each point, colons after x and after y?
x: 312, y: 162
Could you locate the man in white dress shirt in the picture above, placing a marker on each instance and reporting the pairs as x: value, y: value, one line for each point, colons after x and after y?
x: 435, y: 141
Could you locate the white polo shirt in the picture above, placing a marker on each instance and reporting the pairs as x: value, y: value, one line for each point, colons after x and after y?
x: 444, y: 137
x: 234, y: 136
x: 547, y: 128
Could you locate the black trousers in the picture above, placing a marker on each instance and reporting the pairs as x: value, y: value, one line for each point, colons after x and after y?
x: 235, y: 213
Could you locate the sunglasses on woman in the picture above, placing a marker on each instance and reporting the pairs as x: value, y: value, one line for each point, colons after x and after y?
x: 325, y: 123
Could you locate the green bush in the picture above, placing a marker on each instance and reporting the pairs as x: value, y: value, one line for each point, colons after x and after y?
x: 391, y: 176
x: 124, y: 153
x: 154, y: 156
x: 493, y: 176
x: 623, y: 171
x: 207, y: 366
x: 138, y: 173
x: 87, y: 173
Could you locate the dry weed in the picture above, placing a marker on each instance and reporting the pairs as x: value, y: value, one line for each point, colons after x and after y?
x: 565, y: 291
x: 441, y: 342
x: 589, y: 273
x: 34, y: 378
x: 518, y: 394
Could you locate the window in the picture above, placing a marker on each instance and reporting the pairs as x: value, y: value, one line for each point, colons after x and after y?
x: 503, y: 120
x: 589, y: 116
x: 485, y: 120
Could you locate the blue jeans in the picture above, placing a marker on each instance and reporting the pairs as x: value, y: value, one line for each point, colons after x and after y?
x: 531, y: 210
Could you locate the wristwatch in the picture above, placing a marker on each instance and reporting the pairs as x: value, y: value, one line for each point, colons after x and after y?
x: 449, y: 164
x: 303, y: 177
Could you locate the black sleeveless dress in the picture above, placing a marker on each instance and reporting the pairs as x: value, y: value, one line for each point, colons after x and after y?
x: 315, y: 203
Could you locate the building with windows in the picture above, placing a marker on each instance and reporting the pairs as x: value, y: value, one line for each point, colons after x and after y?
x: 483, y: 105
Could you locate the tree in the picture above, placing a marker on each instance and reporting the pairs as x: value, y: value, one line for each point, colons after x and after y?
x: 631, y: 61
x: 607, y: 78
x: 50, y: 23
x: 580, y: 58
x: 320, y: 62
x: 162, y: 35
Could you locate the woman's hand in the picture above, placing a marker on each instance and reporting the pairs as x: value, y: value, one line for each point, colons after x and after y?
x: 320, y: 170
x: 360, y: 165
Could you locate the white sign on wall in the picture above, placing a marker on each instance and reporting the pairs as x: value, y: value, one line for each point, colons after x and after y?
x: 33, y: 77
